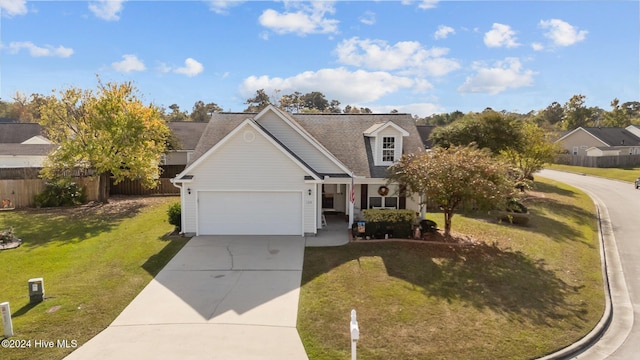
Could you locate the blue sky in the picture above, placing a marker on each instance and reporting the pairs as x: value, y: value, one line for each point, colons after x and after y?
x: 419, y: 57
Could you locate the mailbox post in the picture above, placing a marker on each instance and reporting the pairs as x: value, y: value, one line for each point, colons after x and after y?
x: 355, y: 334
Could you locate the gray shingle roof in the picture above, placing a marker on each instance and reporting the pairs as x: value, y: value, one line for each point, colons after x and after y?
x: 614, y: 136
x: 27, y: 149
x: 425, y: 132
x: 187, y: 132
x: 340, y: 134
x: 343, y: 136
x: 15, y: 133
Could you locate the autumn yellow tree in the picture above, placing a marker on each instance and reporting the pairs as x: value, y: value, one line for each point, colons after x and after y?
x: 109, y: 131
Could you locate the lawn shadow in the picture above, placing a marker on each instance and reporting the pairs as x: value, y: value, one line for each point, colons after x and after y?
x: 25, y: 309
x: 69, y: 225
x: 157, y: 261
x: 482, y: 276
x: 552, y: 189
x: 546, y: 210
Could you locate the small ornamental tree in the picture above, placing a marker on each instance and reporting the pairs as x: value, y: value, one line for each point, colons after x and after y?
x: 450, y: 177
x: 535, y: 151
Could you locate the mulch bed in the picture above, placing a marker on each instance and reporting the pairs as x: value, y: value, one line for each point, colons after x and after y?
x: 436, y: 238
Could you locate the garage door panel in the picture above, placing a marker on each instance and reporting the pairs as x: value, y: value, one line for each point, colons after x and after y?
x: 249, y: 213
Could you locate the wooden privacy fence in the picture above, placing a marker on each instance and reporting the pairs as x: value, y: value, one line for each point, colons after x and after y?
x: 22, y: 192
x: 134, y: 187
x: 620, y: 161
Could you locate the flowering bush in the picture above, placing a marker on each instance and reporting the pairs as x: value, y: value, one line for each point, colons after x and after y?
x: 7, y: 236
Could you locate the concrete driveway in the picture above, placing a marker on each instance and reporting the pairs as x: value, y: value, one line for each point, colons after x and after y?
x: 220, y: 297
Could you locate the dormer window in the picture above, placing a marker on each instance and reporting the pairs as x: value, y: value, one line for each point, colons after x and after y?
x: 386, y: 142
x: 388, y: 149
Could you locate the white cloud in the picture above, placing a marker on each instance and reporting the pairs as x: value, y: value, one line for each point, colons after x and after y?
x: 191, y: 68
x: 39, y: 51
x: 363, y: 86
x: 443, y: 32
x: 428, y: 4
x: 368, y: 18
x: 163, y: 68
x: 507, y: 74
x: 406, y: 56
x: 561, y: 32
x: 500, y: 35
x: 13, y: 7
x: 307, y: 19
x: 422, y: 4
x: 107, y: 9
x: 128, y: 64
x: 222, y: 6
x: 537, y: 46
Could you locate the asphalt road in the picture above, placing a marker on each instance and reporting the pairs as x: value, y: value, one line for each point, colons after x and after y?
x: 621, y: 201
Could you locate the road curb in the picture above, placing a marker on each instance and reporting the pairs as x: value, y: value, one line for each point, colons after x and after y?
x: 601, y: 327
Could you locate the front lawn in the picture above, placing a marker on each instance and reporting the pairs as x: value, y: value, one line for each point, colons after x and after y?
x: 94, y: 261
x: 525, y: 292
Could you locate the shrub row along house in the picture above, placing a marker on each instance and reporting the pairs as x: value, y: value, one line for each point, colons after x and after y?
x: 274, y: 173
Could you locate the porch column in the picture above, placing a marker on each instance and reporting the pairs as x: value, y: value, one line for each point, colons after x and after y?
x: 351, y: 199
x: 318, y: 206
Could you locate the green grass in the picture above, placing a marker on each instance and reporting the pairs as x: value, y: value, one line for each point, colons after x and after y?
x: 623, y: 174
x: 94, y: 261
x: 525, y: 293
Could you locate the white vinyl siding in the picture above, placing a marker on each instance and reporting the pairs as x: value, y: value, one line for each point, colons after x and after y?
x: 242, y: 165
x: 298, y: 144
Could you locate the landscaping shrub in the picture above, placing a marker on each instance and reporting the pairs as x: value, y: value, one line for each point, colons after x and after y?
x: 391, y: 222
x: 388, y: 215
x: 515, y: 213
x: 61, y: 192
x: 513, y: 205
x: 175, y: 216
x: 7, y: 236
x: 428, y: 226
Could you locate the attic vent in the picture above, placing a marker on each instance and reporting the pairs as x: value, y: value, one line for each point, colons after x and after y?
x: 249, y: 136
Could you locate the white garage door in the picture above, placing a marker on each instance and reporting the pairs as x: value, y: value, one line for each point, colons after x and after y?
x: 249, y: 213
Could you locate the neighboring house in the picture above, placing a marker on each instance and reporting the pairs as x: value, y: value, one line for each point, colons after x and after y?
x: 596, y: 141
x: 274, y: 173
x: 634, y: 129
x: 22, y: 145
x: 24, y: 155
x: 187, y: 134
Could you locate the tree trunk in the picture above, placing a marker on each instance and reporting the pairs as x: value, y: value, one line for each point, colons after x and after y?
x: 447, y: 222
x: 103, y: 187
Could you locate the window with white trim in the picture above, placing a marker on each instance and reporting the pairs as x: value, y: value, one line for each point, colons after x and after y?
x: 388, y: 148
x: 383, y: 202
